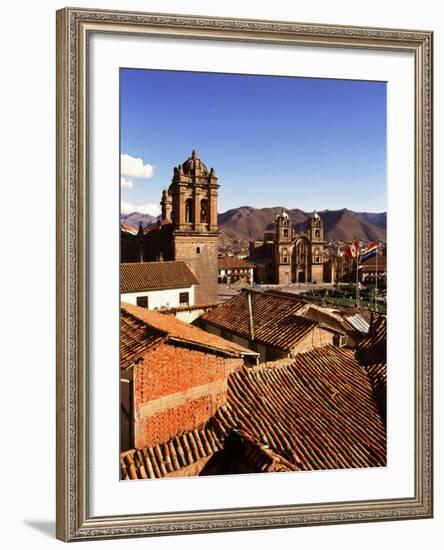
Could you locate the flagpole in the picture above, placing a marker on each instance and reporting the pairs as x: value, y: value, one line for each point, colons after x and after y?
x: 357, y: 278
x: 376, y: 287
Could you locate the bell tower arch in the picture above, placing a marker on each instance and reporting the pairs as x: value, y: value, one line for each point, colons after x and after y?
x: 194, y: 192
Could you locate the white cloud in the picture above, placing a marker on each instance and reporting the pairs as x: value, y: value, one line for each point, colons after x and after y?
x: 134, y: 168
x: 149, y: 208
x: 126, y: 183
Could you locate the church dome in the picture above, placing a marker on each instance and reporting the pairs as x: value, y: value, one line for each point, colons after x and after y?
x: 193, y: 165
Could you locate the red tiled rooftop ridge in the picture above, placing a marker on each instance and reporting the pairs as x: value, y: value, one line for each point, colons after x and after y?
x: 275, y: 318
x: 178, y: 453
x: 313, y: 412
x: 372, y: 355
x: 135, y: 339
x: 179, y: 331
x: 317, y: 412
x: 139, y: 276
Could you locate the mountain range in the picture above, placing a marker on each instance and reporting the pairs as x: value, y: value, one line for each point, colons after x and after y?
x: 247, y: 223
x: 135, y: 218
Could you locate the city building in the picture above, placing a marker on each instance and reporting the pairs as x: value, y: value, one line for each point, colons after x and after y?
x: 235, y: 270
x: 173, y: 375
x: 156, y: 285
x: 289, y: 256
x: 187, y: 229
x: 275, y: 325
x: 374, y: 269
x: 312, y: 412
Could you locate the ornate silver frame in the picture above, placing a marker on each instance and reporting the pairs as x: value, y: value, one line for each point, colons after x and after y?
x: 74, y: 521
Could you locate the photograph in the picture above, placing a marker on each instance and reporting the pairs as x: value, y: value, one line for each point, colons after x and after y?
x: 253, y: 274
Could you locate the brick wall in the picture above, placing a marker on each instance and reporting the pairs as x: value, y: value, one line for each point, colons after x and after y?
x: 175, y: 390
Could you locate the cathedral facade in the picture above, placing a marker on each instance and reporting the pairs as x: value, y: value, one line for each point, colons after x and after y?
x: 288, y: 256
x: 187, y: 229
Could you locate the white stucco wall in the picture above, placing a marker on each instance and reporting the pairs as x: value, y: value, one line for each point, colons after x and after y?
x: 160, y: 298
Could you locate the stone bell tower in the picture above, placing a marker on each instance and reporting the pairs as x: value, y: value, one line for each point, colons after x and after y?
x: 282, y: 248
x: 315, y: 229
x: 193, y: 195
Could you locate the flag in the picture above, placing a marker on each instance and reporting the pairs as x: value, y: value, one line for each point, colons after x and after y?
x: 351, y: 251
x: 369, y: 252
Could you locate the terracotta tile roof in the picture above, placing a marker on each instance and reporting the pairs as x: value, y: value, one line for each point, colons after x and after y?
x: 234, y: 263
x: 276, y: 321
x: 135, y: 339
x: 177, y: 331
x: 140, y: 276
x: 317, y: 413
x: 373, y: 348
x: 372, y: 354
x: 170, y: 457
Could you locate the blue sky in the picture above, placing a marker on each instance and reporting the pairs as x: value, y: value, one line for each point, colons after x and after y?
x: 274, y: 141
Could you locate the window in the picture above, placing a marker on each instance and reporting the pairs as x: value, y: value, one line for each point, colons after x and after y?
x: 285, y: 232
x: 188, y: 210
x: 142, y: 301
x: 184, y: 298
x: 317, y: 233
x: 203, y: 211
x: 198, y: 250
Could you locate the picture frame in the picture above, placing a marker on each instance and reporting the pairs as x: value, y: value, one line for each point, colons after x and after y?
x: 75, y: 28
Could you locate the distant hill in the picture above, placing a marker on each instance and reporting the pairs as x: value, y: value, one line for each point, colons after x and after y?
x: 248, y: 223
x: 345, y: 225
x: 134, y: 218
x: 379, y: 219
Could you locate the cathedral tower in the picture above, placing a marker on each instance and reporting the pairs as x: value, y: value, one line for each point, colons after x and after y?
x: 316, y: 237
x: 193, y: 195
x: 282, y: 251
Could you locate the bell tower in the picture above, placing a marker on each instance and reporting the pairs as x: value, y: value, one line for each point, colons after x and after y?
x: 193, y: 193
x: 282, y: 248
x: 316, y: 238
x: 283, y: 227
